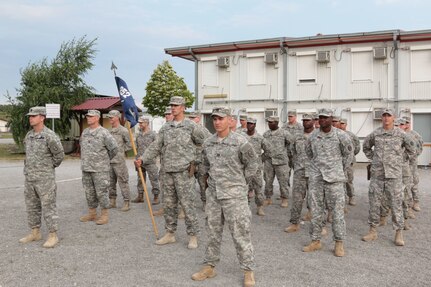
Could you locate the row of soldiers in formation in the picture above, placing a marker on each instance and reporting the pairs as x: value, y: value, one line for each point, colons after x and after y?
x: 229, y: 166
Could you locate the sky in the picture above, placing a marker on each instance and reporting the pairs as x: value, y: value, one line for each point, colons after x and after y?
x: 134, y: 33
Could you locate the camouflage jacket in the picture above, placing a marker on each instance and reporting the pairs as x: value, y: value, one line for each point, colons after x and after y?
x: 199, y: 148
x: 299, y: 156
x: 176, y: 145
x: 293, y: 128
x: 419, y: 141
x: 121, y: 136
x: 143, y: 141
x: 259, y: 143
x: 230, y: 163
x: 329, y: 153
x: 385, y: 149
x: 279, y: 142
x: 43, y: 153
x: 356, y: 144
x: 98, y: 147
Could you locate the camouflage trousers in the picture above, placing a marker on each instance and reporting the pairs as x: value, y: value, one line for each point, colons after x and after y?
x: 299, y: 193
x: 119, y: 173
x: 200, y: 178
x: 322, y: 195
x: 350, y: 190
x: 237, y: 215
x: 407, y: 199
x: 255, y: 188
x: 96, y: 186
x: 177, y: 192
x: 282, y: 173
x: 415, y: 180
x: 153, y: 174
x: 390, y: 189
x: 40, y: 199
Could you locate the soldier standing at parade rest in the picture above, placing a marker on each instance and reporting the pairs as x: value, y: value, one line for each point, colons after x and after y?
x: 176, y: 144
x: 330, y: 151
x: 119, y: 171
x: 231, y: 164
x: 98, y: 147
x: 43, y: 153
x: 143, y: 140
x: 384, y: 147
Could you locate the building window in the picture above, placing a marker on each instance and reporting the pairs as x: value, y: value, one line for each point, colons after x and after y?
x: 362, y: 66
x: 306, y: 69
x: 420, y: 65
x: 209, y: 73
x: 255, y: 70
x: 421, y: 124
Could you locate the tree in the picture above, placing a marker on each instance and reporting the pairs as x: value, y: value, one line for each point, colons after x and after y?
x: 163, y: 84
x: 60, y: 81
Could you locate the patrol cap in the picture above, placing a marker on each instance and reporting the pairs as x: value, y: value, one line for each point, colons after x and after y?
x: 343, y: 121
x: 35, y: 111
x: 251, y: 120
x: 194, y: 114
x: 92, y: 113
x: 335, y: 118
x: 388, y: 111
x: 397, y: 122
x: 316, y: 116
x: 243, y: 117
x: 402, y: 121
x: 273, y: 119
x: 325, y: 112
x: 235, y: 117
x: 177, y: 101
x: 291, y: 113
x: 221, y: 112
x: 114, y: 113
x: 307, y: 117
x: 143, y: 119
x: 168, y: 111
x: 407, y: 119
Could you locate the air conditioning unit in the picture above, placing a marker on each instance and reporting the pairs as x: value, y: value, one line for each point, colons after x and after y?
x: 323, y: 56
x: 223, y: 62
x: 380, y: 53
x: 377, y: 113
x: 271, y: 58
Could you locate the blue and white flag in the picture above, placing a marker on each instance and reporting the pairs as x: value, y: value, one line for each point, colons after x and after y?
x: 127, y: 101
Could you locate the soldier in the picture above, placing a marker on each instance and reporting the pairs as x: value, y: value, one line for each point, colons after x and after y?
x: 168, y: 114
x: 277, y: 163
x: 259, y: 143
x: 119, y: 171
x: 233, y: 123
x: 384, y: 147
x: 43, y: 153
x: 243, y: 123
x: 330, y: 152
x: 300, y: 174
x: 316, y: 121
x: 176, y: 145
x: 143, y: 140
x: 231, y: 164
x: 292, y: 126
x: 350, y: 190
x: 336, y: 122
x: 98, y: 147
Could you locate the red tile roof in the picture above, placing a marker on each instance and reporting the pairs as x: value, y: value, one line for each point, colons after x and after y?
x: 98, y: 103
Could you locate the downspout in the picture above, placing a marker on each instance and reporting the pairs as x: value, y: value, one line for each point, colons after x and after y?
x: 196, y: 60
x: 285, y: 81
x: 395, y: 42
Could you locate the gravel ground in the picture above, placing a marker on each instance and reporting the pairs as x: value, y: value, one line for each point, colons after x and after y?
x: 123, y: 253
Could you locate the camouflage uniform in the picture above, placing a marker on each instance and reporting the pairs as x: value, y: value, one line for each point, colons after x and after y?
x: 199, y: 169
x: 350, y: 190
x: 98, y: 147
x: 231, y: 164
x: 43, y: 153
x: 119, y: 171
x: 292, y: 129
x: 176, y: 145
x: 387, y: 172
x: 329, y: 154
x: 277, y: 164
x: 143, y: 141
x: 414, y: 164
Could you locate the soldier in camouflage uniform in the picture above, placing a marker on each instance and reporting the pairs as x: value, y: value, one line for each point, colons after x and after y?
x: 176, y: 145
x: 277, y: 164
x: 233, y: 123
x: 350, y: 190
x: 384, y: 147
x: 43, y: 153
x: 330, y: 151
x: 243, y: 123
x: 301, y: 164
x: 231, y: 164
x: 143, y: 140
x: 98, y: 147
x: 259, y: 143
x: 119, y: 171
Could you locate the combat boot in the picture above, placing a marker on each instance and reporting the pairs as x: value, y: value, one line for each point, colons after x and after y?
x: 169, y: 237
x: 91, y: 216
x: 193, y: 242
x: 139, y: 198
x: 399, y: 241
x: 324, y: 231
x: 352, y: 201
x: 260, y: 211
x: 156, y: 199
x: 51, y: 241
x: 112, y: 203
x: 382, y: 221
x: 126, y: 206
x: 206, y: 272
x: 292, y: 228
x: 411, y: 214
x: 249, y: 279
x: 371, y: 235
x: 104, y: 218
x: 33, y: 236
x: 416, y: 206
x: 407, y: 226
x: 284, y: 203
x: 181, y: 214
x: 339, y: 248
x: 268, y: 201
x: 159, y: 212
x: 313, y: 246
x: 307, y: 216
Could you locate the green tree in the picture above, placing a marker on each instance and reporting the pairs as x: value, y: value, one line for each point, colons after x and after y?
x: 163, y: 84
x: 59, y: 81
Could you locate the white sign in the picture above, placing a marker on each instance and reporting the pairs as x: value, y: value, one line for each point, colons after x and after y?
x: 52, y: 111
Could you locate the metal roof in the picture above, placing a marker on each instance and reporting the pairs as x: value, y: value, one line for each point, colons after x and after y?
x: 98, y: 103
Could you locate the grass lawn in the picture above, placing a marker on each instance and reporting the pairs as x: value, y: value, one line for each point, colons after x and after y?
x: 10, y: 151
x: 5, y: 135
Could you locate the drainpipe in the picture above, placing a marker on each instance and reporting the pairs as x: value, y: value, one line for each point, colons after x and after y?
x: 196, y: 60
x: 285, y: 81
x: 395, y: 42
